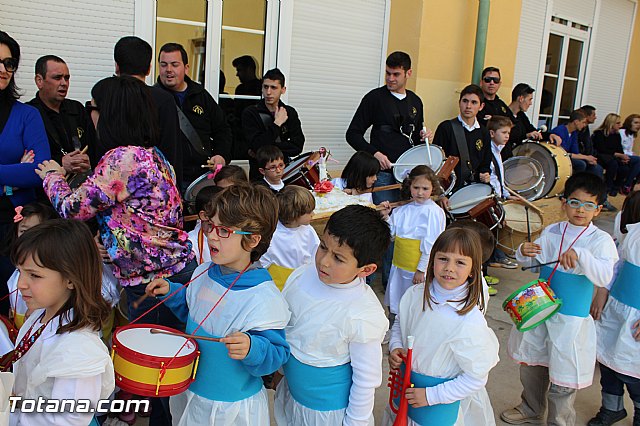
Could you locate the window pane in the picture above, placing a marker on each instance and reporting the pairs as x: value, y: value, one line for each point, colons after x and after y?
x: 244, y: 13
x: 567, y: 101
x: 554, y: 51
x: 573, y: 59
x: 546, y: 121
x: 190, y: 10
x: 548, y: 95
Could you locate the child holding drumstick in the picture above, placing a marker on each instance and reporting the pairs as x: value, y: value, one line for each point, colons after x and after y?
x: 562, y: 350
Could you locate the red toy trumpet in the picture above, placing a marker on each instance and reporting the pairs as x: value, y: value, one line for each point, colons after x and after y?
x: 399, y: 386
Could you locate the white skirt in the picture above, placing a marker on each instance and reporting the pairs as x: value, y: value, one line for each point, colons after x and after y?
x: 617, y: 349
x: 565, y: 344
x: 399, y: 281
x: 189, y: 409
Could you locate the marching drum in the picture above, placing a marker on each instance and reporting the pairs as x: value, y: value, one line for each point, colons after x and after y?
x: 555, y: 162
x: 146, y: 364
x: 192, y: 191
x: 478, y: 202
x: 419, y: 155
x: 514, y: 227
x: 525, y: 176
x: 531, y: 305
x: 303, y: 170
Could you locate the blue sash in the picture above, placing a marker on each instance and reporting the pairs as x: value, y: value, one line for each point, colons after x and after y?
x: 575, y: 291
x: 439, y: 414
x: 319, y: 388
x: 220, y: 378
x: 626, y: 287
x: 94, y: 422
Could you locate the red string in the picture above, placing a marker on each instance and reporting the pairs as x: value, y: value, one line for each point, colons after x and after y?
x: 9, y: 294
x: 560, y: 251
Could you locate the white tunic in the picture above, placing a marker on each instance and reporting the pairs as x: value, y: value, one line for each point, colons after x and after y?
x: 291, y: 247
x: 618, y: 236
x: 72, y: 365
x: 260, y: 307
x: 332, y: 325
x: 627, y: 142
x: 567, y: 344
x: 203, y: 254
x: 424, y: 222
x: 448, y: 345
x: 617, y: 349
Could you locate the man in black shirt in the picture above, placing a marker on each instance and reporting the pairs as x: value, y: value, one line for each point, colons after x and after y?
x: 66, y: 121
x: 395, y: 115
x: 205, y: 134
x: 271, y: 122
x: 584, y: 135
x: 490, y: 84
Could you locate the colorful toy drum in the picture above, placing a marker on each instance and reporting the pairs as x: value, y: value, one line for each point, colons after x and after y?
x: 531, y: 305
x: 153, y: 364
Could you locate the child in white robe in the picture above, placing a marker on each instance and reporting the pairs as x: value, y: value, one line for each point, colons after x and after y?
x: 414, y: 228
x: 359, y: 175
x: 336, y: 328
x: 562, y: 350
x: 618, y: 325
x: 295, y: 241
x: 59, y: 354
x: 234, y: 299
x: 454, y: 348
x: 197, y: 237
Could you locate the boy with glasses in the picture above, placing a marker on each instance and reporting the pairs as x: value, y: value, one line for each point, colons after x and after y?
x: 271, y: 166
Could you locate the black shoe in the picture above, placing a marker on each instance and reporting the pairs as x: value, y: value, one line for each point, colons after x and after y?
x: 613, y: 193
x: 608, y: 417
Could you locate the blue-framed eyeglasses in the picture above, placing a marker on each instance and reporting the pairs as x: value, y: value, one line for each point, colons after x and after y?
x: 221, y: 231
x: 576, y: 204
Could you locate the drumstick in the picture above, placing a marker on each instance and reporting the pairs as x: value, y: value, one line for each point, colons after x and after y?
x: 408, y: 164
x: 525, y: 268
x: 393, y: 205
x: 84, y: 150
x: 526, y: 212
x: 470, y: 202
x: 386, y: 187
x: 191, y: 218
x: 524, y: 200
x: 139, y: 301
x: 187, y: 336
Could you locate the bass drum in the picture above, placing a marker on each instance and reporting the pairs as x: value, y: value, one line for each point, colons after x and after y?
x: 514, y: 229
x: 303, y: 170
x: 525, y: 176
x: 555, y: 162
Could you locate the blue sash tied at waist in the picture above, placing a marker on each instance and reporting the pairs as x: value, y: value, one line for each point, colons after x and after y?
x: 626, y: 287
x: 576, y: 291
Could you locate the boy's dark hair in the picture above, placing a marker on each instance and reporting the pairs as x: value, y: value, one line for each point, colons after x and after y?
x: 268, y: 153
x: 133, y: 55
x: 174, y: 47
x: 589, y: 183
x: 293, y: 202
x: 420, y: 172
x: 12, y: 92
x: 487, y: 239
x: 498, y: 122
x: 362, y: 229
x: 472, y: 89
x: 275, y: 75
x: 521, y: 89
x: 577, y: 114
x: 231, y: 172
x: 360, y: 166
x: 399, y: 60
x: 41, y: 64
x: 43, y: 211
x: 205, y: 195
x: 630, y: 211
x: 487, y: 70
x: 251, y: 208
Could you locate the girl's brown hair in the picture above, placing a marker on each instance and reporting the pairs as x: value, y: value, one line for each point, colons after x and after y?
x: 420, y: 172
x: 250, y: 208
x: 66, y: 246
x: 628, y: 122
x: 630, y: 211
x: 467, y: 243
x: 293, y: 202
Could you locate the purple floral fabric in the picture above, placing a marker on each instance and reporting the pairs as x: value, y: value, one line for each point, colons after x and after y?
x: 133, y: 195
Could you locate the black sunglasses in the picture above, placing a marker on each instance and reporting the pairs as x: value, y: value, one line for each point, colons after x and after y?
x: 10, y: 64
x: 496, y: 80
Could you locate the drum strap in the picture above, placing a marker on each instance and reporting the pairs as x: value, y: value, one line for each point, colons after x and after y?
x: 463, y: 149
x: 494, y: 160
x: 190, y: 133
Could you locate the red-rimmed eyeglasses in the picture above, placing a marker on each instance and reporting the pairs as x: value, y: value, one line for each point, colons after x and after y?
x: 221, y: 231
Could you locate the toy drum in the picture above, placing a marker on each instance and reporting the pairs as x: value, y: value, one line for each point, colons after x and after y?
x: 555, y: 163
x: 531, y: 305
x: 153, y: 364
x: 514, y: 228
x: 477, y: 202
x: 303, y: 170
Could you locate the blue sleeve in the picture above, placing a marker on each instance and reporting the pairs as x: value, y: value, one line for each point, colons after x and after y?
x: 573, y: 144
x: 269, y: 350
x: 178, y: 302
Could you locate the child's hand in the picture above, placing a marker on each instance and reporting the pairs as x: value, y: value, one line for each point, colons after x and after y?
x: 636, y: 333
x: 238, y: 345
x: 384, y: 208
x: 530, y: 249
x: 157, y: 287
x: 28, y: 157
x: 598, y: 302
x: 396, y: 357
x: 568, y: 259
x: 418, y: 277
x: 417, y: 397
x: 104, y: 254
x: 348, y: 191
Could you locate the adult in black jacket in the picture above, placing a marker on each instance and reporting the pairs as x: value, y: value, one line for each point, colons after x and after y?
x: 206, y: 138
x: 271, y: 122
x: 490, y: 84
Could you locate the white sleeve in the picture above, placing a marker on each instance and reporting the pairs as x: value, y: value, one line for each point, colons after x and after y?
x: 455, y: 390
x: 616, y: 271
x: 598, y: 268
x: 395, y: 340
x: 366, y: 362
x: 193, y: 237
x: 437, y: 225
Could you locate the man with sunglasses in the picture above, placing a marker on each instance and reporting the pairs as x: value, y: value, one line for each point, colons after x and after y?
x: 490, y: 84
x: 65, y: 120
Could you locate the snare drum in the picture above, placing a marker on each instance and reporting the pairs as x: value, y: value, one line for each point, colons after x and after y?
x: 144, y: 363
x: 555, y: 163
x: 531, y: 305
x: 478, y: 202
x: 303, y: 170
x: 419, y: 155
x: 525, y: 176
x: 192, y: 191
x: 514, y: 227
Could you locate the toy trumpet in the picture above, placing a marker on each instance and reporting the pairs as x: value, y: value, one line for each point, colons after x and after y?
x: 398, y: 386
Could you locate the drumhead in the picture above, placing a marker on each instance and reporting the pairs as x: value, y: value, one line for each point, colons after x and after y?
x: 418, y: 155
x: 522, y: 174
x: 540, y: 316
x: 196, y: 186
x: 546, y: 155
x: 516, y: 218
x: 464, y: 195
x: 141, y: 340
